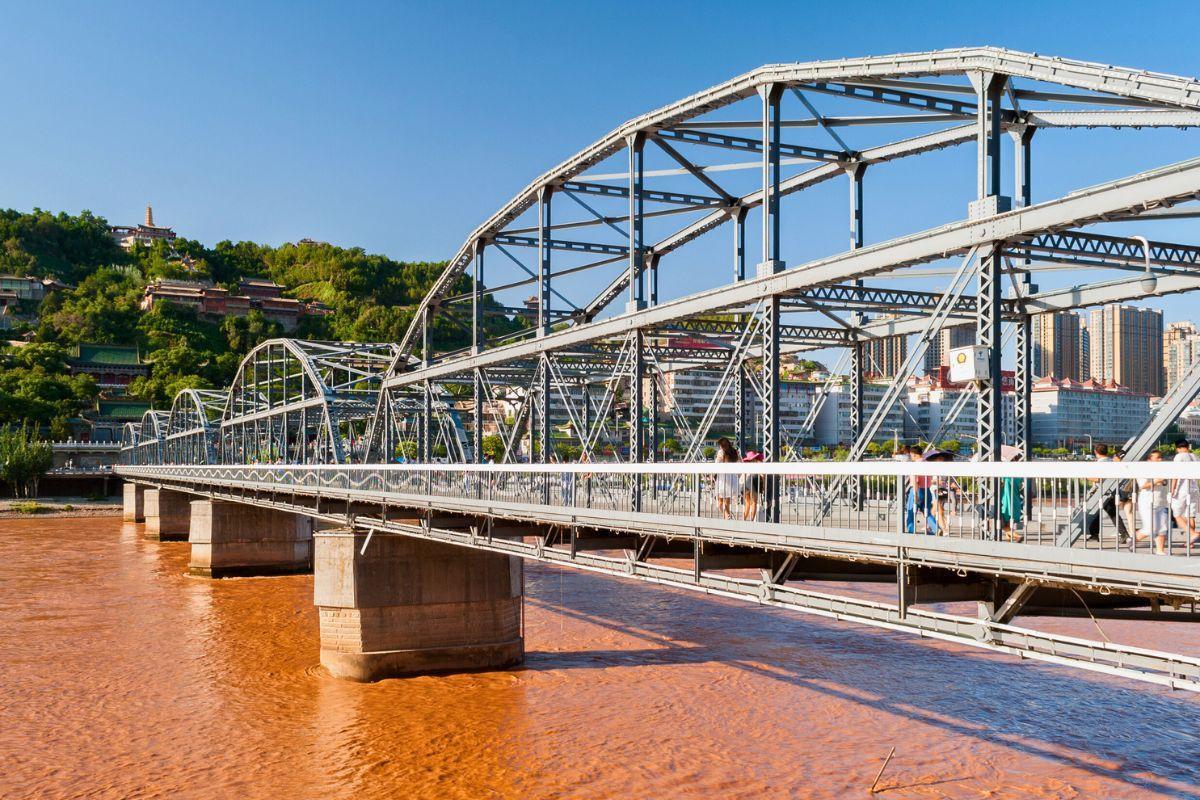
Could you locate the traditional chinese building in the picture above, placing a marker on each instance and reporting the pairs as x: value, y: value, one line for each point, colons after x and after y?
x: 146, y: 233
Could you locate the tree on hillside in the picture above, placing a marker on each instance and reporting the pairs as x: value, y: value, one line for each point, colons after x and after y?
x: 64, y: 246
x: 36, y: 387
x: 102, y: 308
x: 23, y: 459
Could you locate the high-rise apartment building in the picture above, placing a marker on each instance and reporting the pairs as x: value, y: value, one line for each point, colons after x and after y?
x: 1055, y: 345
x: 1181, y: 346
x: 1085, y: 350
x: 938, y: 352
x: 1127, y: 347
x: 883, y: 357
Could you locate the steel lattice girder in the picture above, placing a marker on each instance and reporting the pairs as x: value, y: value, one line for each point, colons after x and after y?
x: 1099, y: 249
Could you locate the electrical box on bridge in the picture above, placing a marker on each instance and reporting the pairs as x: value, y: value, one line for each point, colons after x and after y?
x: 971, y: 363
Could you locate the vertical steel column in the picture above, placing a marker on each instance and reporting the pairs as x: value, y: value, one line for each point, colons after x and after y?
x: 739, y: 407
x: 652, y: 414
x: 477, y: 410
x: 637, y: 369
x: 545, y: 194
x: 637, y: 285
x: 426, y: 447
x: 739, y: 383
x: 543, y: 419
x: 989, y: 88
x: 770, y: 420
x: 1023, y: 422
x: 857, y: 362
x: 771, y: 94
x: 426, y: 423
x: 989, y: 398
x: 477, y: 298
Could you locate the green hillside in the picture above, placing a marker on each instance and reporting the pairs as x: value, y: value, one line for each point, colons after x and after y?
x: 371, y: 297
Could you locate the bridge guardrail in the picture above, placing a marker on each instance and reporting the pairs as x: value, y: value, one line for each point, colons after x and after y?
x: 1151, y: 509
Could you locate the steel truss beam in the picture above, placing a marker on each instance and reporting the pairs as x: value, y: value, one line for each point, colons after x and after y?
x: 745, y: 145
x: 651, y: 195
x: 1161, y: 187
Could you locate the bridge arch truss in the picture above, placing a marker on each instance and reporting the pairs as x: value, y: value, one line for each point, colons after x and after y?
x: 193, y: 427
x: 302, y: 402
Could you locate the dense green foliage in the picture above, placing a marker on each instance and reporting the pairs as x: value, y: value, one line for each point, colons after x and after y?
x: 24, y: 458
x: 35, y: 388
x: 371, y: 298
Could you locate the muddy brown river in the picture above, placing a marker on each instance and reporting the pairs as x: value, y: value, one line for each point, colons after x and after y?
x: 121, y: 677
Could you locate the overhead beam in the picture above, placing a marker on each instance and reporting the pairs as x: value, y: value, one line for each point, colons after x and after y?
x: 747, y: 145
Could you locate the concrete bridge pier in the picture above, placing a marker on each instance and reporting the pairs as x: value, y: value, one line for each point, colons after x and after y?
x: 409, y: 606
x: 230, y: 539
x: 167, y: 515
x: 133, y: 502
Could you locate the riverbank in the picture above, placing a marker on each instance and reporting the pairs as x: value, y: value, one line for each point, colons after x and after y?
x: 56, y: 507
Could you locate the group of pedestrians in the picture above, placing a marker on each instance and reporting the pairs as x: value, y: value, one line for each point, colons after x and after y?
x: 928, y: 499
x: 730, y: 486
x: 1149, y: 506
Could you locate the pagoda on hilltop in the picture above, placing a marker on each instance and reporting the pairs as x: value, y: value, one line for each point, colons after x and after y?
x: 146, y: 233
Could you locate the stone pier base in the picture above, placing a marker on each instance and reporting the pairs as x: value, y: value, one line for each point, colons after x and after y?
x: 230, y: 539
x: 134, y: 502
x: 167, y: 515
x: 410, y: 606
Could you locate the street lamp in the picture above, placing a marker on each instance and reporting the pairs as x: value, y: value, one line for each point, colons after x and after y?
x: 1149, y: 282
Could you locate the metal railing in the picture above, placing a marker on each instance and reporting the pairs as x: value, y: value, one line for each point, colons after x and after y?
x: 1142, y: 507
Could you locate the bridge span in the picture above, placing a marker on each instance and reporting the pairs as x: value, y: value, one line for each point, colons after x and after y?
x: 582, y: 517
x: 423, y: 568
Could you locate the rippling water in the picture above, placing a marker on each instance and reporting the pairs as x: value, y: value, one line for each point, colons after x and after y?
x: 121, y: 677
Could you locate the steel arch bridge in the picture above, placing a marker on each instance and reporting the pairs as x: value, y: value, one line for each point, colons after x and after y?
x: 632, y: 285
x: 302, y: 402
x: 142, y: 442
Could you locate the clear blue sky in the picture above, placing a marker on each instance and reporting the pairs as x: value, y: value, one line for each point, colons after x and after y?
x: 400, y: 126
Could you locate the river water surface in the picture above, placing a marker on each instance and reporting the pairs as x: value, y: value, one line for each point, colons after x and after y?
x: 120, y: 677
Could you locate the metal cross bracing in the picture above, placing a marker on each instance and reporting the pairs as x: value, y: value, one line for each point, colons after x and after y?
x: 193, y: 427
x: 302, y: 402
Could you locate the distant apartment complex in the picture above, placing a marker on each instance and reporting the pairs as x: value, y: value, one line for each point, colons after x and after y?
x: 1127, y: 348
x: 215, y: 301
x: 1056, y: 345
x: 883, y: 357
x: 1068, y: 413
x: 1181, y: 347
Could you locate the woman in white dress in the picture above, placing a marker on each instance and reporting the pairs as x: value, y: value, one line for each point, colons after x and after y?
x: 726, y: 483
x: 1154, y: 509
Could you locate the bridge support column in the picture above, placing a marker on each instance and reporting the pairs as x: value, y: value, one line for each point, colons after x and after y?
x: 134, y: 502
x: 410, y: 606
x: 167, y: 515
x: 231, y: 539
